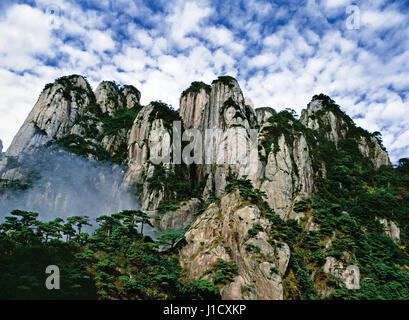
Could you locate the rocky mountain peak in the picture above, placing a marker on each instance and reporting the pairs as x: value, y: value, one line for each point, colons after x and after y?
x: 113, y: 99
x: 108, y: 97
x: 221, y: 105
x: 131, y: 95
x: 58, y: 107
x: 325, y: 116
x: 193, y: 103
x: 263, y: 114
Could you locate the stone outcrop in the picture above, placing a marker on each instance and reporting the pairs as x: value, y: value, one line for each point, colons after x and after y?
x: 316, y: 116
x: 263, y: 114
x: 371, y: 148
x: 391, y: 229
x: 192, y: 108
x: 348, y: 275
x: 222, y: 232
x: 131, y: 96
x: 287, y: 176
x: 325, y: 117
x: 149, y: 146
x: 54, y: 114
x: 223, y: 108
x: 108, y: 97
x: 112, y: 99
x: 180, y: 218
x: 93, y: 126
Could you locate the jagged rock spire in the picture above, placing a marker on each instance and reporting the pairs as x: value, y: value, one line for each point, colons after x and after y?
x: 58, y: 107
x: 322, y: 114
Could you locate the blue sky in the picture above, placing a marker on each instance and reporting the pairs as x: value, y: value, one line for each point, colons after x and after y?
x: 282, y: 53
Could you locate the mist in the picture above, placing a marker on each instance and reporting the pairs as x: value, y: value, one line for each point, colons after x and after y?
x: 65, y: 185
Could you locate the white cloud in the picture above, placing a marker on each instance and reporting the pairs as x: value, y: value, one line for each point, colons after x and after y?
x: 184, y: 20
x: 381, y: 19
x: 272, y: 41
x: 336, y: 3
x: 161, y: 53
x: 24, y: 34
x: 132, y: 59
x: 262, y: 60
x: 100, y: 41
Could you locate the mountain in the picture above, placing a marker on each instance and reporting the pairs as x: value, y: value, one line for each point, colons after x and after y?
x: 317, y: 212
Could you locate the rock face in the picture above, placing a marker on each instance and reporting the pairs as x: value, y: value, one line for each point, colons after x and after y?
x: 192, y: 108
x: 150, y: 148
x: 58, y: 107
x: 108, y: 97
x: 263, y: 114
x: 181, y: 217
x: 371, y: 148
x: 349, y: 276
x: 131, y: 95
x: 146, y: 135
x: 221, y: 109
x: 222, y: 232
x: 391, y: 229
x: 112, y: 99
x: 324, y: 116
x: 316, y: 116
x: 287, y: 176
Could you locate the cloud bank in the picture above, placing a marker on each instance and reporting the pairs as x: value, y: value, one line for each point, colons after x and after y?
x: 281, y: 52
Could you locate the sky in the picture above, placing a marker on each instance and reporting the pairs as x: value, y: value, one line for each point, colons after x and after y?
x: 282, y: 53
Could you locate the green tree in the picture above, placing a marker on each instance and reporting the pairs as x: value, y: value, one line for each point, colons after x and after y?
x: 144, y: 219
x: 107, y: 223
x: 79, y: 222
x: 170, y: 238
